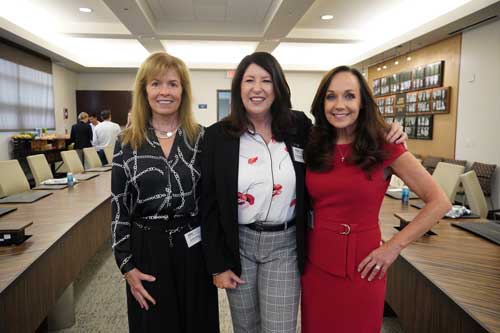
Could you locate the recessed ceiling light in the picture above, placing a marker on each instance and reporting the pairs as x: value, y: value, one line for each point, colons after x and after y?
x: 379, y: 69
x: 384, y: 67
x: 327, y: 17
x: 396, y: 62
x: 408, y: 59
x: 85, y: 9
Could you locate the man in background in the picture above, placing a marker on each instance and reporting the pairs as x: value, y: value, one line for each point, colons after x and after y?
x: 105, y: 134
x: 93, y: 123
x: 81, y: 134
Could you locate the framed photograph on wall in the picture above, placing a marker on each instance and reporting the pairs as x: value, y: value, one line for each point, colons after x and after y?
x: 405, y: 81
x: 410, y: 127
x: 411, y: 102
x: 424, y: 101
x: 394, y: 83
x: 389, y: 105
x: 384, y: 85
x: 417, y: 78
x: 434, y: 74
x: 376, y: 87
x: 400, y: 103
x: 381, y: 104
x: 440, y: 100
x: 424, y: 127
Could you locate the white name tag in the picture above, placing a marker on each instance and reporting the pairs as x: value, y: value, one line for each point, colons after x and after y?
x: 298, y: 154
x: 193, y: 237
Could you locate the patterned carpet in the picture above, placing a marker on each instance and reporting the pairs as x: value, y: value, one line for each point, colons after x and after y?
x: 100, y: 300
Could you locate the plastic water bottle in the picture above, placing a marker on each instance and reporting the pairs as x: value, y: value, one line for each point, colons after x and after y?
x: 405, y: 196
x: 70, y: 179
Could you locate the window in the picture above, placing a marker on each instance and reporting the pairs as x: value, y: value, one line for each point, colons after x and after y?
x: 223, y: 103
x: 26, y: 98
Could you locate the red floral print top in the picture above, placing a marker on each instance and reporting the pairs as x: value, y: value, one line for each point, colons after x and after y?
x: 266, y: 181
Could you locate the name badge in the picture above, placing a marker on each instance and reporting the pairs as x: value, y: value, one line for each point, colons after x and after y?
x: 298, y: 154
x: 193, y: 237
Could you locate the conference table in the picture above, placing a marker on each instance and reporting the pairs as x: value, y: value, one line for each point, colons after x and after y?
x: 449, y: 282
x: 68, y: 228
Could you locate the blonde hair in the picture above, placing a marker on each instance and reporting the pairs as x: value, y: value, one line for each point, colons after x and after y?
x: 83, y: 116
x: 156, y: 64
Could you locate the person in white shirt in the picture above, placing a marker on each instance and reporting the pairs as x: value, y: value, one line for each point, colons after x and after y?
x: 106, y: 133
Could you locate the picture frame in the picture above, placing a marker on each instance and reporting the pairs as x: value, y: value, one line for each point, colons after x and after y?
x: 440, y: 100
x: 376, y: 87
x: 417, y: 78
x: 410, y: 126
x: 401, y: 103
x: 424, y: 127
x: 424, y: 101
x: 411, y: 102
x: 433, y: 76
x: 405, y: 81
x: 384, y: 85
x: 394, y: 83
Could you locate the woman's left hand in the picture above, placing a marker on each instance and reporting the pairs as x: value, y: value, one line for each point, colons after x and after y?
x: 378, y: 261
x: 396, y: 134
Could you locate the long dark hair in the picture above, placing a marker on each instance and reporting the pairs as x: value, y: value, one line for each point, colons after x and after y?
x: 369, y: 132
x: 237, y: 122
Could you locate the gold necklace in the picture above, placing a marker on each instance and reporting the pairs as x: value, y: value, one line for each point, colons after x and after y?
x: 342, y: 156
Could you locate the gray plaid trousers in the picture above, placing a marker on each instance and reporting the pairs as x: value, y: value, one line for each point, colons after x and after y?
x: 269, y: 300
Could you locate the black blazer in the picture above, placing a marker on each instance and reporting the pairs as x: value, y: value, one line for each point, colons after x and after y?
x: 219, y: 204
x: 81, y: 135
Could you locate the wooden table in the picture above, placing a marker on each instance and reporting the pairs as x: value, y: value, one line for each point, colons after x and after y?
x: 444, y: 283
x: 68, y: 228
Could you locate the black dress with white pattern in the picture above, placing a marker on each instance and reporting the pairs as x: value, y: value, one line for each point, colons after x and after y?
x: 154, y: 204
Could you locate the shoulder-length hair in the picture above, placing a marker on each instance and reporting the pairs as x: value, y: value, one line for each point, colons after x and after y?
x: 369, y: 133
x: 155, y: 65
x: 237, y: 122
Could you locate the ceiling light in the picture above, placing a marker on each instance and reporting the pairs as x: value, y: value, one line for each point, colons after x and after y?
x: 379, y: 69
x: 396, y: 62
x: 327, y: 17
x: 384, y: 67
x: 408, y: 59
x: 85, y: 9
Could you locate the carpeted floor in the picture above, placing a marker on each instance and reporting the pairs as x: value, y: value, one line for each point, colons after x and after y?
x: 100, y: 300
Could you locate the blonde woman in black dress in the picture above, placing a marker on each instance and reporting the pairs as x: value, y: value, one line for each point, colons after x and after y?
x: 155, y: 185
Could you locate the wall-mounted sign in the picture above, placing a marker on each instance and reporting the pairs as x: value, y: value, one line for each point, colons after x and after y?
x: 230, y: 74
x: 202, y: 106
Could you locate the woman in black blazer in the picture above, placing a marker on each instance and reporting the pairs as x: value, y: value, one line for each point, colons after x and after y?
x: 254, y: 199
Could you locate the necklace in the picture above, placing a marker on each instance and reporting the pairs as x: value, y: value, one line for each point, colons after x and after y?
x: 342, y: 154
x: 165, y: 134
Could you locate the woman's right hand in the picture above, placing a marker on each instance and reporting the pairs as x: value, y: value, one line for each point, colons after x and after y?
x: 134, y: 278
x: 227, y: 280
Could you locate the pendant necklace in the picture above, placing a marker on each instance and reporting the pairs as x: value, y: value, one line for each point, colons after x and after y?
x: 342, y: 156
x: 165, y: 134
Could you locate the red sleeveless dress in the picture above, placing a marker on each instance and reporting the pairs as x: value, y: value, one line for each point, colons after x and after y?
x: 346, y: 204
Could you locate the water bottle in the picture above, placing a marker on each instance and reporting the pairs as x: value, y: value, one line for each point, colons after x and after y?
x: 405, y: 196
x: 70, y: 179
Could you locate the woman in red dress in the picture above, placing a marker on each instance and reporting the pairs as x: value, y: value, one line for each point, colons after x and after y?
x: 349, y: 167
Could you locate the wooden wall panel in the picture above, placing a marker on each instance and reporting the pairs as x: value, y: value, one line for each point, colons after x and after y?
x: 94, y: 101
x: 445, y: 125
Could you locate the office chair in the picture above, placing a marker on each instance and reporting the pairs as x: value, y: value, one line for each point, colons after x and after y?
x: 448, y: 177
x: 12, y: 178
x: 40, y: 168
x: 109, y: 152
x: 72, y: 161
x: 91, y: 158
x: 474, y: 194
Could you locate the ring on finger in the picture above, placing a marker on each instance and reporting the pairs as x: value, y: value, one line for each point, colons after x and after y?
x: 378, y: 267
